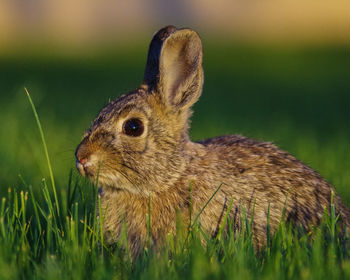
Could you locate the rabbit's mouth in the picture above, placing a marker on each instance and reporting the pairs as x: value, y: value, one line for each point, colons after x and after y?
x: 88, y: 169
x: 82, y: 167
x: 85, y: 167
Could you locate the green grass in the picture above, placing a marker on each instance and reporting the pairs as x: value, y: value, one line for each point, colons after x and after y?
x: 297, y: 97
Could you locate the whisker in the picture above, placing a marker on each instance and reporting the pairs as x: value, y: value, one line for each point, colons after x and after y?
x: 120, y: 172
x: 108, y: 166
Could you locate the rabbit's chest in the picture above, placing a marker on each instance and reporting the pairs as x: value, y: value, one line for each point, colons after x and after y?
x: 140, y: 216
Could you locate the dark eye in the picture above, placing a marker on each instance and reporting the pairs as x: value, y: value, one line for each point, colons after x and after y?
x: 133, y: 127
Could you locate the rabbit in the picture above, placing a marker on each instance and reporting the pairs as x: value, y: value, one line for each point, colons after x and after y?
x: 139, y: 148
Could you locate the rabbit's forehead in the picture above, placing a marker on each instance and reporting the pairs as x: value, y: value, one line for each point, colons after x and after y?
x: 120, y: 107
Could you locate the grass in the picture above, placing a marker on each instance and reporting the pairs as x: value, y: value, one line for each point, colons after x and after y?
x: 297, y: 98
x: 70, y: 246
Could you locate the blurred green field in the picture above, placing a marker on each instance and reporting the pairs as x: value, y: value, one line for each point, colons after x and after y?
x: 296, y: 97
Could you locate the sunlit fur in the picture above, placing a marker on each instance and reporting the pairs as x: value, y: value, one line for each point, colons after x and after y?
x: 163, y: 165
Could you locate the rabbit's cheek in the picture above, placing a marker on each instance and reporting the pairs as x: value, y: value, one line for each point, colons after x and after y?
x: 135, y: 145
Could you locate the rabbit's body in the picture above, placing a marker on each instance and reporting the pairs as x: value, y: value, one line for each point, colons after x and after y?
x: 140, y: 149
x: 255, y: 174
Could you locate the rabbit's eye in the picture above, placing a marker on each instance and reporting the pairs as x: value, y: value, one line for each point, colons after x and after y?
x: 133, y: 127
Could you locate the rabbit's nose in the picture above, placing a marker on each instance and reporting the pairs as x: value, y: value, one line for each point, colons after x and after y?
x: 81, y: 155
x: 82, y: 161
x: 81, y: 164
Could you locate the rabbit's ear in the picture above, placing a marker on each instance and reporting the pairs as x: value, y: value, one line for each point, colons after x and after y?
x: 174, y: 66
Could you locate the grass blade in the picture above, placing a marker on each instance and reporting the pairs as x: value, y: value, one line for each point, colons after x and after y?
x: 45, y: 149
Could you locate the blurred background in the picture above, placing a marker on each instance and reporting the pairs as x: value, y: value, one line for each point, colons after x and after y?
x: 274, y: 70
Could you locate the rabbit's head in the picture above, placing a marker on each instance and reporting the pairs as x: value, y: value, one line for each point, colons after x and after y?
x: 137, y: 141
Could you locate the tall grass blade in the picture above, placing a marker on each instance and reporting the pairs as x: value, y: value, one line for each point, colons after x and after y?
x: 45, y: 149
x: 206, y: 204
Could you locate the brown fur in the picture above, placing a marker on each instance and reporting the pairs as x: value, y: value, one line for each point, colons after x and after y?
x: 163, y: 162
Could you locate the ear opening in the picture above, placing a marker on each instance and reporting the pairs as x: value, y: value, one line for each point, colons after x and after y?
x: 174, y: 66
